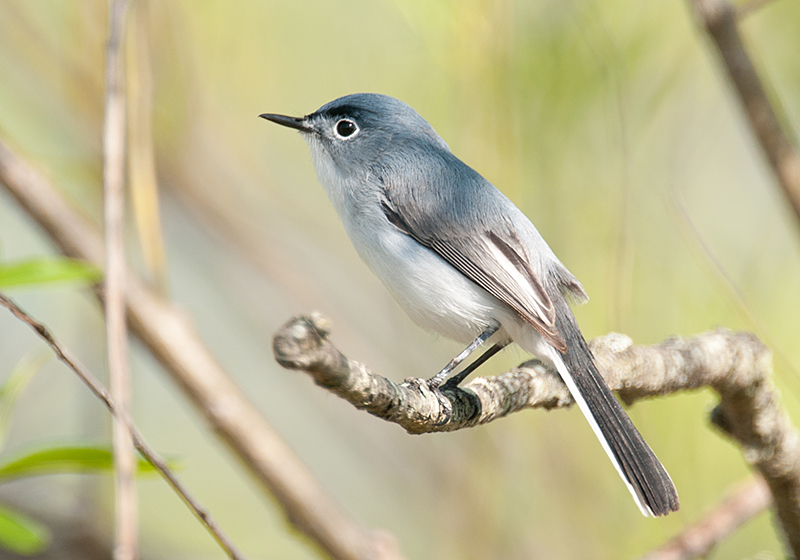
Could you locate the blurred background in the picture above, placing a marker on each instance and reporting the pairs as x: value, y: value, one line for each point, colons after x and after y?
x: 608, y: 122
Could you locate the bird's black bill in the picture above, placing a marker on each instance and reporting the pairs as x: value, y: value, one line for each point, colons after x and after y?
x: 297, y: 123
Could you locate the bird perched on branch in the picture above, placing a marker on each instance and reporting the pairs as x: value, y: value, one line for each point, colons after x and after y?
x: 462, y: 260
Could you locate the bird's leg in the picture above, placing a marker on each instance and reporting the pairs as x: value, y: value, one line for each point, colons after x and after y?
x: 456, y: 380
x: 437, y: 379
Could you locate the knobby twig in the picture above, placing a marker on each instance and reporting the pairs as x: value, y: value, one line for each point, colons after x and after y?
x: 126, y: 534
x: 699, y: 539
x: 719, y: 18
x: 736, y: 365
x: 171, y: 337
x: 302, y: 344
x: 124, y: 419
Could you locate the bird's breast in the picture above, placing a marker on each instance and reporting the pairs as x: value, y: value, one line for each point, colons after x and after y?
x: 434, y: 294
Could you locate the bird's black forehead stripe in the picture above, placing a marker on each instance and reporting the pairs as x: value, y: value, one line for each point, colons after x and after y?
x: 352, y: 111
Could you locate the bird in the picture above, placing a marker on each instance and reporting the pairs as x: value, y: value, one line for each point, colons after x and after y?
x: 463, y: 261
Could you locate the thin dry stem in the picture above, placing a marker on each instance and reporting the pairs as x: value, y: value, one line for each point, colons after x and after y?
x: 699, y: 539
x: 747, y: 8
x: 142, y: 179
x: 144, y: 448
x: 126, y: 527
x: 719, y: 18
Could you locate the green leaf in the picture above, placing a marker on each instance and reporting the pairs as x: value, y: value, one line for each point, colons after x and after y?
x: 21, y: 534
x: 66, y: 459
x: 49, y: 270
x: 23, y: 372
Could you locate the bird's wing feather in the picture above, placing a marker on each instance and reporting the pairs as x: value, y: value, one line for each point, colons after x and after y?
x: 494, y: 258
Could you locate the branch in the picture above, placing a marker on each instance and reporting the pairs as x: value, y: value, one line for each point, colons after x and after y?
x: 123, y: 418
x: 736, y: 365
x: 699, y: 539
x: 302, y: 344
x: 126, y: 534
x: 719, y: 18
x: 170, y: 336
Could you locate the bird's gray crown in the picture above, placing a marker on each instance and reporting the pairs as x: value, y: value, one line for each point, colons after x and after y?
x: 372, y: 107
x: 378, y: 117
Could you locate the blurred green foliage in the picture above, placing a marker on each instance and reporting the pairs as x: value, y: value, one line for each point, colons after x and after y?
x: 45, y: 271
x: 21, y: 534
x: 66, y: 459
x: 609, y: 122
x: 18, y: 532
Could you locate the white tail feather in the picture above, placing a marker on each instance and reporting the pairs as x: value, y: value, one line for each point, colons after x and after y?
x: 555, y: 357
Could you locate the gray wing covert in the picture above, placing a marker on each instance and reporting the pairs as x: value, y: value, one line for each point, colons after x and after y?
x: 494, y: 258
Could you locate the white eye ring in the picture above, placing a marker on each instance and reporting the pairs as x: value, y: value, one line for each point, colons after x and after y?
x: 345, y: 128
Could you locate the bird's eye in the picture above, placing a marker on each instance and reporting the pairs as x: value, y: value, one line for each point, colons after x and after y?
x: 345, y: 128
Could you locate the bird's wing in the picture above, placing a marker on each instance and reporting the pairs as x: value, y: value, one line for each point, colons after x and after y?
x: 494, y: 258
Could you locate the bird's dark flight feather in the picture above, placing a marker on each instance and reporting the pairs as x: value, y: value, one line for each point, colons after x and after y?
x: 637, y: 461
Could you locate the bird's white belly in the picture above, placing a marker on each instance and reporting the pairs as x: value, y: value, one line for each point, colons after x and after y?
x: 434, y: 294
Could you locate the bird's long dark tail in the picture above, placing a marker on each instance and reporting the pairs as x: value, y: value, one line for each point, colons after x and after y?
x: 640, y: 469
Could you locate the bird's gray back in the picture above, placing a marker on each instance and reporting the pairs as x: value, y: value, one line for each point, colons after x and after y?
x: 444, y: 198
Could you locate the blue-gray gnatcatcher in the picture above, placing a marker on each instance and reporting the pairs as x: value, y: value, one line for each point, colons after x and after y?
x: 463, y: 261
